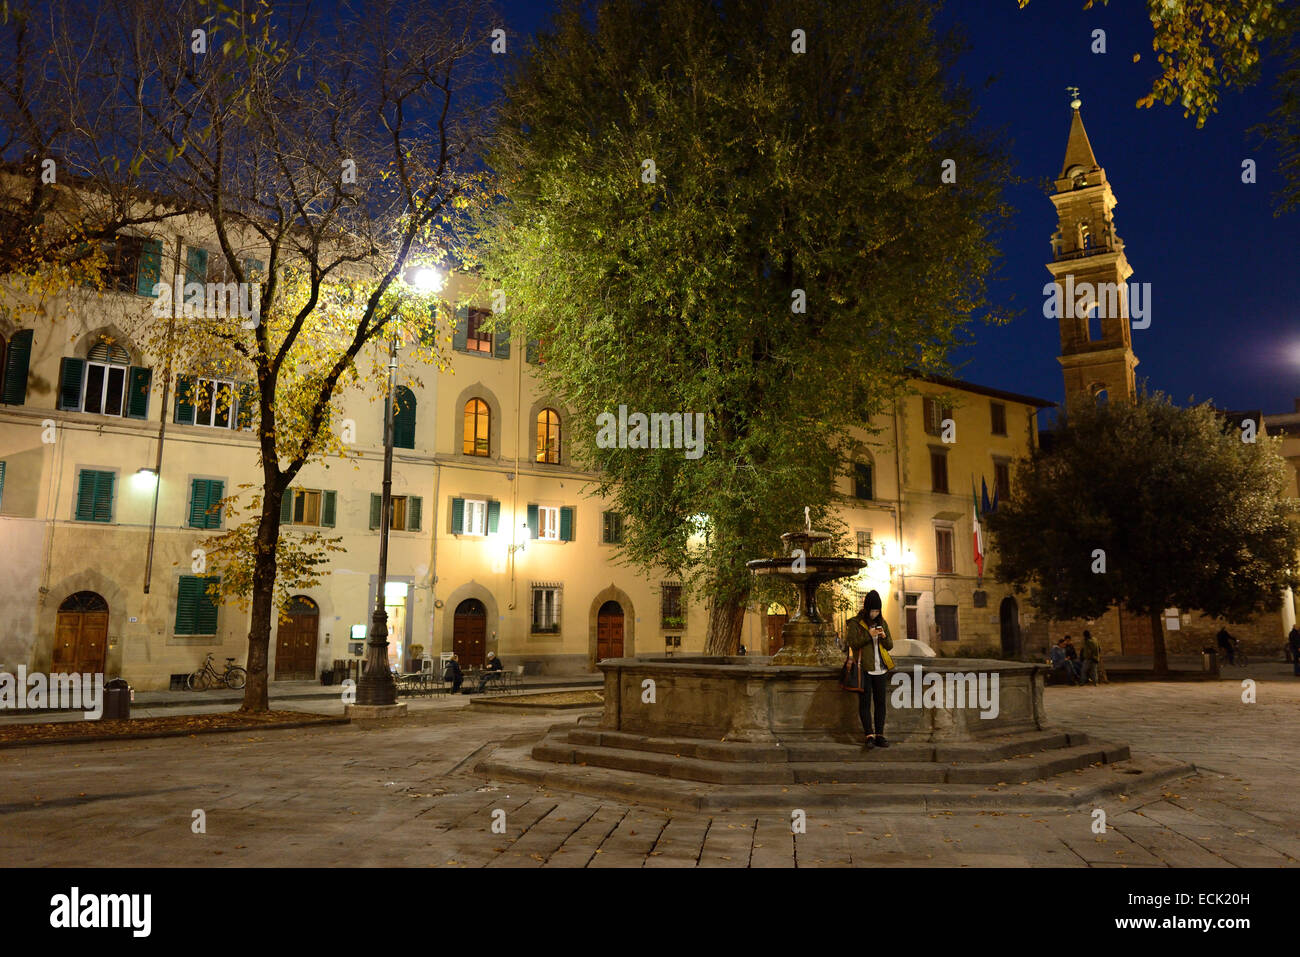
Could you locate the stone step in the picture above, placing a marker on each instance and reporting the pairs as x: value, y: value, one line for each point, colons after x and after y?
x: 1032, y: 767
x: 1081, y: 788
x: 793, y: 750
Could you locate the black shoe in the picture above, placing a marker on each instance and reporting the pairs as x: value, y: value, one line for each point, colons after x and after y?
x: 881, y: 742
x: 871, y: 742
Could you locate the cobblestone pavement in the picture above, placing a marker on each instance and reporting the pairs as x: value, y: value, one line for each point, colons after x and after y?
x: 404, y: 794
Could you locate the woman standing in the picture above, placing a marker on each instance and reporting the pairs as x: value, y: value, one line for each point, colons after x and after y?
x: 868, y: 636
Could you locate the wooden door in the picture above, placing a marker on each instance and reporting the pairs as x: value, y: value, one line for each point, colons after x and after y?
x: 609, y: 631
x: 1135, y: 633
x: 469, y: 633
x: 774, y: 628
x: 912, y: 629
x: 80, y: 635
x: 295, y: 650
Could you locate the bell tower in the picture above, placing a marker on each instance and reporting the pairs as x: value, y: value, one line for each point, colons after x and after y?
x: 1090, y: 273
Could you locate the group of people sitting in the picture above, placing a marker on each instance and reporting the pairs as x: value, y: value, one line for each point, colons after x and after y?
x: 1077, y: 667
x: 492, y: 671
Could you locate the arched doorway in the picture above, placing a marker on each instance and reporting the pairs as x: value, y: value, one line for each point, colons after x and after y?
x: 469, y: 632
x: 1009, y: 619
x: 774, y: 620
x: 80, y: 635
x: 609, y: 631
x: 295, y: 649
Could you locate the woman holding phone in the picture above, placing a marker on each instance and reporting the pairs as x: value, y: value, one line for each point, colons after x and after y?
x: 868, y: 638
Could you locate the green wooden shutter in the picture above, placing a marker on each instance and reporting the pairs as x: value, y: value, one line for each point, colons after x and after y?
x: 104, y: 496
x: 414, y: 506
x: 286, y: 507
x: 198, y: 503
x: 247, y: 406
x: 457, y: 516
x: 404, y: 419
x: 532, y: 521
x: 150, y: 267
x: 70, y: 375
x: 85, y: 496
x: 184, y: 413
x: 327, y: 509
x: 566, y: 524
x: 493, y: 517
x: 460, y: 333
x: 17, y: 360
x: 205, y: 618
x: 531, y: 351
x: 376, y: 510
x: 216, y: 490
x: 196, y: 265
x: 187, y: 596
x: 139, y: 382
x: 501, y: 348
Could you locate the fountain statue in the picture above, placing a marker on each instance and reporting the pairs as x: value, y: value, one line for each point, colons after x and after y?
x: 809, y: 638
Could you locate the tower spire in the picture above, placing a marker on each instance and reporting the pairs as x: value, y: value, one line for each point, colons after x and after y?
x: 1078, y: 151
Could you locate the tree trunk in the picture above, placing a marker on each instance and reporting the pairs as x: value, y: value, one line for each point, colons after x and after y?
x: 1160, y: 657
x: 256, y: 698
x: 726, y: 618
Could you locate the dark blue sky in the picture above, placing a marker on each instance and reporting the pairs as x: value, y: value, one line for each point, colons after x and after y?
x: 1224, y: 273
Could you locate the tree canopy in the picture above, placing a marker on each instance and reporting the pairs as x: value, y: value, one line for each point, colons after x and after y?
x: 1151, y: 506
x: 757, y: 213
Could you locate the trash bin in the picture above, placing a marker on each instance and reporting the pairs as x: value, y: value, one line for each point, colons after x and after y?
x: 117, y: 700
x: 1210, y: 661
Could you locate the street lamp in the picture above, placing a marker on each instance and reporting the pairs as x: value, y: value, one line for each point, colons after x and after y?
x: 376, y: 686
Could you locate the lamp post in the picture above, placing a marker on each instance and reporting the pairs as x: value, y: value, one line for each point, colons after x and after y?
x: 376, y: 686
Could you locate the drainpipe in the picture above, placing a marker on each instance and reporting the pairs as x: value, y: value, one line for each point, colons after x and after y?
x: 514, y: 504
x: 898, y: 521
x: 162, y: 432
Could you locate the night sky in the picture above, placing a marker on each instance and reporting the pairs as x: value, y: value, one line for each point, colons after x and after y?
x: 1225, y: 324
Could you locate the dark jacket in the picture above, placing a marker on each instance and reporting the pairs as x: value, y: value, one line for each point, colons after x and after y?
x: 858, y: 638
x: 452, y: 672
x: 495, y: 664
x: 1293, y: 639
x: 1091, y: 650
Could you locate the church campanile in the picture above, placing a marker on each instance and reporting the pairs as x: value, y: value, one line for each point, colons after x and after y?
x: 1091, y: 274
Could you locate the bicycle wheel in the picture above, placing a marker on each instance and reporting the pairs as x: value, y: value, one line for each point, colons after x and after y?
x: 198, y: 681
x: 236, y: 678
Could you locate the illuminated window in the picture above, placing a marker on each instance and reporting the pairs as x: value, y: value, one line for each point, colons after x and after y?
x: 477, y: 420
x: 548, y: 436
x: 478, y: 339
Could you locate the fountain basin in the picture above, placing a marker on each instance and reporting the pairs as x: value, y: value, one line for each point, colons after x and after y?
x: 751, y: 699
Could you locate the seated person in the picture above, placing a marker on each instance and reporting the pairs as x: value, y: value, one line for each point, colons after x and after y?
x: 491, y: 671
x: 1061, y: 666
x: 454, y: 674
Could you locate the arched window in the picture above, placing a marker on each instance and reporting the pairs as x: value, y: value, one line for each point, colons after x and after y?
x: 106, y: 368
x: 548, y: 436
x: 404, y: 419
x: 1099, y: 393
x: 478, y: 419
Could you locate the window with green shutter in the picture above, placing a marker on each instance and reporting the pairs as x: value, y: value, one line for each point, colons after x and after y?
x: 150, y: 267
x: 404, y: 516
x: 327, y: 509
x: 17, y: 358
x: 71, y: 372
x: 94, y: 496
x: 196, y: 610
x: 611, y: 532
x: 533, y: 521
x: 404, y: 419
x: 502, y: 347
x: 196, y: 265
x: 138, y: 385
x: 457, y: 517
x: 566, y: 524
x: 184, y: 411
x: 460, y: 331
x: 308, y: 506
x: 493, y: 517
x: 205, y: 499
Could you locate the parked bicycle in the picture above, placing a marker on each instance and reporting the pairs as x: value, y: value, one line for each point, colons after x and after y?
x: 207, y: 677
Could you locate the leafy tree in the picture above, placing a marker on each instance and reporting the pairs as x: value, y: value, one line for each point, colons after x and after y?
x: 1186, y: 514
x: 737, y: 210
x: 324, y: 155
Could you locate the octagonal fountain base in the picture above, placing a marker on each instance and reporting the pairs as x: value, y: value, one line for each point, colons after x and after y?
x: 714, y: 733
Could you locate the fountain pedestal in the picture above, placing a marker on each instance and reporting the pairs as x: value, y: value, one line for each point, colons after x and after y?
x: 809, y: 644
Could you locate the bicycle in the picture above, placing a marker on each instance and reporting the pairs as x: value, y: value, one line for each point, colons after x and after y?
x: 206, y: 677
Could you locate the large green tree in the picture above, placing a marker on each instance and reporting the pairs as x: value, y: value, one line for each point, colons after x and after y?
x: 1151, y: 506
x: 757, y: 212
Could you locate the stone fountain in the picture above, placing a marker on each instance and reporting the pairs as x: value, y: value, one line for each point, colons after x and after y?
x: 749, y: 731
x: 809, y: 639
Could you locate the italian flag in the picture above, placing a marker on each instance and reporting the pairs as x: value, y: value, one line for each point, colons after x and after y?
x: 978, y: 536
